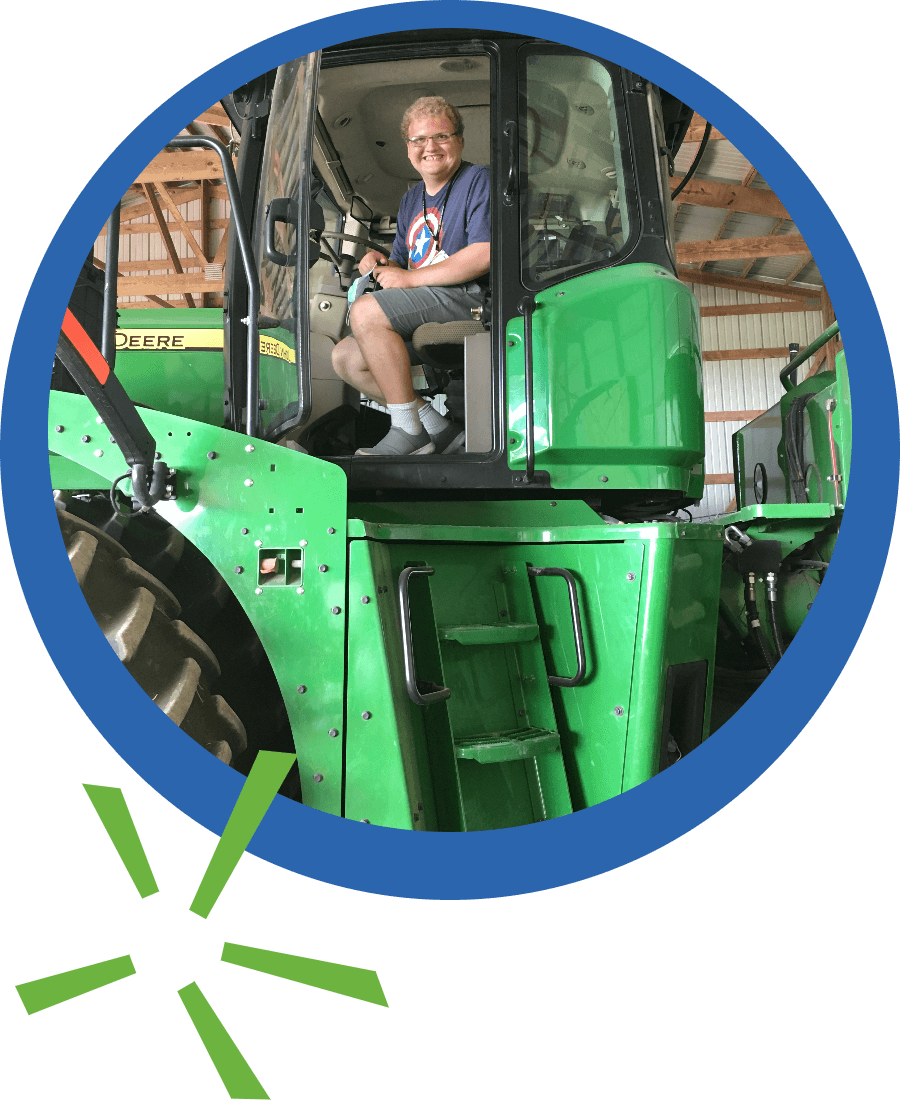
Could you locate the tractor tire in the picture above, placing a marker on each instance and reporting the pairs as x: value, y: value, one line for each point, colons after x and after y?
x: 139, y: 617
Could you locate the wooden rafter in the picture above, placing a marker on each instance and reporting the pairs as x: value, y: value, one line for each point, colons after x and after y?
x: 795, y: 271
x: 152, y: 298
x: 729, y: 415
x: 742, y: 248
x: 186, y: 283
x: 753, y: 286
x: 758, y: 307
x: 731, y: 354
x: 167, y: 241
x: 730, y: 196
x: 697, y: 128
x: 144, y: 227
x: 182, y: 165
x: 182, y: 224
x: 221, y: 251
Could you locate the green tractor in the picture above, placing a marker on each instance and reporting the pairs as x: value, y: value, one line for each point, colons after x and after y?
x: 475, y: 640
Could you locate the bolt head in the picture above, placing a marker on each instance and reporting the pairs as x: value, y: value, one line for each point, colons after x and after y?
x: 331, y: 530
x: 98, y: 453
x: 301, y: 690
x: 365, y: 821
x: 299, y: 591
x: 318, y: 777
x: 245, y: 530
x: 60, y: 428
x: 367, y: 599
x: 335, y: 611
x: 211, y: 455
x: 239, y: 569
x: 332, y: 733
x: 303, y: 542
x: 618, y: 711
x: 258, y: 542
x: 366, y: 715
x: 604, y: 478
x: 249, y: 448
x: 111, y: 439
x: 248, y: 482
x: 157, y: 454
x: 552, y: 503
x: 323, y: 568
x: 629, y: 576
x: 85, y: 439
x: 258, y: 591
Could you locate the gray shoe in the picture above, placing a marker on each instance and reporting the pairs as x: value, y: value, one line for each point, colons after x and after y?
x: 398, y: 442
x: 449, y: 440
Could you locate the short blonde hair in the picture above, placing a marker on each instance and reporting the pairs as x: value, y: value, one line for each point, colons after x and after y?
x: 430, y: 106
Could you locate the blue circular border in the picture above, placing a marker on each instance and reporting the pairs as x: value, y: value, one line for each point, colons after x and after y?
x: 450, y: 865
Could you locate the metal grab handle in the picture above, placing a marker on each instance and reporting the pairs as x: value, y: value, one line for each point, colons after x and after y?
x: 527, y: 307
x: 409, y: 658
x: 280, y: 210
x: 567, y: 681
x: 510, y: 131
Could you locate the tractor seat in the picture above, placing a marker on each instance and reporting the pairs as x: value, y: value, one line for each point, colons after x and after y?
x: 441, y: 348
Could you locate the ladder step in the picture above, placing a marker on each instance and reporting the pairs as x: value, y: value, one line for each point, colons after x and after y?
x: 497, y: 748
x: 489, y: 633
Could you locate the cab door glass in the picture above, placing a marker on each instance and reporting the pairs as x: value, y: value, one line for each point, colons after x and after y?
x: 574, y: 192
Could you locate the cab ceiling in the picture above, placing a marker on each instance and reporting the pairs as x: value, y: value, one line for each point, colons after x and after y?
x: 361, y: 107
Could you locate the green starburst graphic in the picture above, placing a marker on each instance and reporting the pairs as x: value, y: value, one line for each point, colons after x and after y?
x: 260, y: 788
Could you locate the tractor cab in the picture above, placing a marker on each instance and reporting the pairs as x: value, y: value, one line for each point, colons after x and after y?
x: 581, y: 374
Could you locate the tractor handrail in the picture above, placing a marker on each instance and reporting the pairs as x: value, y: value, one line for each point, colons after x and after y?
x: 581, y: 669
x: 799, y: 359
x: 253, y: 294
x: 409, y: 657
x: 527, y: 307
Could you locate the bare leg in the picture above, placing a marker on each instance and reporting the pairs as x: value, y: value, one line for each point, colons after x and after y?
x: 383, y: 351
x: 349, y: 364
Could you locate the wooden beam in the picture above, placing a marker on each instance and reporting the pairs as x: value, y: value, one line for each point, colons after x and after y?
x: 731, y: 196
x: 182, y: 224
x: 752, y: 286
x: 181, y: 195
x: 719, y: 479
x: 167, y: 240
x: 741, y: 248
x: 801, y: 263
x: 741, y: 353
x: 154, y: 301
x: 729, y: 415
x: 189, y: 283
x: 697, y: 128
x: 749, y: 264
x: 205, y: 244
x: 758, y: 307
x: 149, y: 227
x: 214, y: 116
x: 221, y: 251
x: 182, y: 165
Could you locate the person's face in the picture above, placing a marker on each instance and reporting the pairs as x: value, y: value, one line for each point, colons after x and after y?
x: 434, y: 161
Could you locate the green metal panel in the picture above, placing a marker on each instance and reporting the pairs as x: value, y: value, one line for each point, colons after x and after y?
x: 617, y: 382
x: 171, y: 360
x: 239, y: 501
x: 65, y: 474
x: 383, y: 768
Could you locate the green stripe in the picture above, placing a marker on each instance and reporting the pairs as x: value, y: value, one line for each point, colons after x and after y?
x: 260, y: 788
x: 237, y: 1077
x: 46, y: 992
x: 109, y: 802
x: 349, y: 981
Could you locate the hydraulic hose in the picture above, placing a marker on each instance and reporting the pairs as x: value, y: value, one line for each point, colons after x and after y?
x: 695, y: 163
x: 772, y: 601
x: 753, y: 620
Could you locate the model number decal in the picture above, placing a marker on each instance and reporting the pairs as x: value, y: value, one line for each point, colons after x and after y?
x: 137, y: 339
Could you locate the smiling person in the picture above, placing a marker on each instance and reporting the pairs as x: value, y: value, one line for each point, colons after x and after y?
x: 437, y: 271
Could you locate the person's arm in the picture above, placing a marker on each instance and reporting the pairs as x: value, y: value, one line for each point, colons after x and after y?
x: 375, y: 259
x: 462, y: 267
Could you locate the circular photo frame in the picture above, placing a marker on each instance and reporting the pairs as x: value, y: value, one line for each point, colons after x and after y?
x: 453, y: 865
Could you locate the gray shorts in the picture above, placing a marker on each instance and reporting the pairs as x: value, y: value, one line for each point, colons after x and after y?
x: 408, y: 309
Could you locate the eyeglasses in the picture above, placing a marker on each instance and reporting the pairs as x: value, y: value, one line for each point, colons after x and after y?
x: 441, y: 139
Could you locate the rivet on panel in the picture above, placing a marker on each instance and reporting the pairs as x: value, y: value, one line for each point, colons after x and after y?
x: 318, y: 777
x: 629, y: 576
x: 323, y: 568
x: 60, y: 428
x: 98, y: 454
x: 365, y: 599
x: 604, y: 478
x: 211, y: 455
x: 85, y: 439
x: 365, y: 821
x: 366, y: 715
x: 248, y: 482
x: 239, y: 569
x: 301, y: 690
x: 259, y: 591
x: 299, y: 591
x: 331, y: 530
x: 258, y: 542
x: 618, y: 711
x: 245, y: 530
x: 335, y: 611
x: 249, y: 448
x: 332, y: 733
x: 303, y: 542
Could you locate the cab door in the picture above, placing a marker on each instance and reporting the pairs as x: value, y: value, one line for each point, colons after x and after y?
x: 284, y: 243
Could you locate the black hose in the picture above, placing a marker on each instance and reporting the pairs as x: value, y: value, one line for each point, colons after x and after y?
x: 753, y: 621
x: 776, y: 630
x: 695, y: 163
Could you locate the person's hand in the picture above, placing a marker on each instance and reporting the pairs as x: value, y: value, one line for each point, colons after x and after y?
x: 396, y: 278
x: 371, y: 260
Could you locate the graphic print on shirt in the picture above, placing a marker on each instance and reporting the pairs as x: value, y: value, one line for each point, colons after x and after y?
x: 421, y: 240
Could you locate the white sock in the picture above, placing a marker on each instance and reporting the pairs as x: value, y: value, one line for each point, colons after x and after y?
x: 404, y: 416
x: 432, y: 421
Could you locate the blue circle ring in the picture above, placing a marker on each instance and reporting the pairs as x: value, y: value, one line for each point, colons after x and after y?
x: 451, y: 865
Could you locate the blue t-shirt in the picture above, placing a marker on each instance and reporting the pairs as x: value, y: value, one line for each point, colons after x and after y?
x: 466, y: 218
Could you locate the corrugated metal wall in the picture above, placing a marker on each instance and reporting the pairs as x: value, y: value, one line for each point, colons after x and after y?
x: 140, y: 246
x: 741, y: 385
